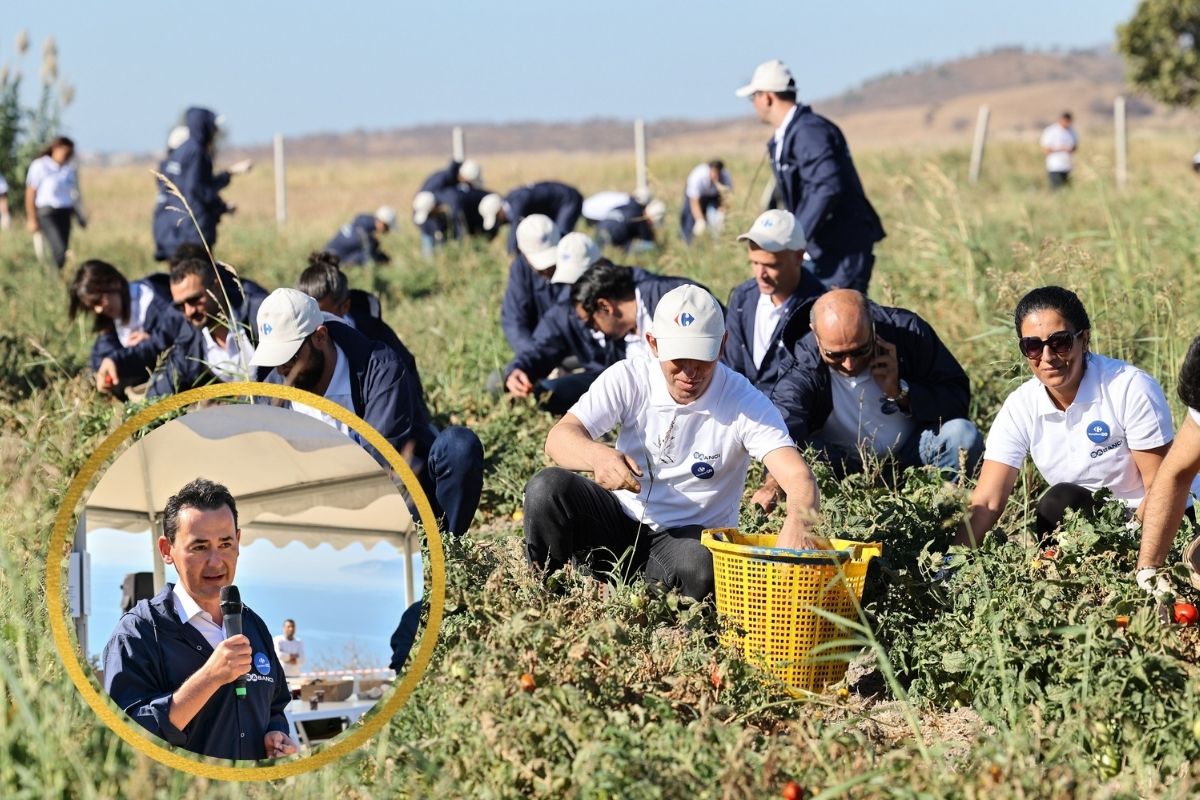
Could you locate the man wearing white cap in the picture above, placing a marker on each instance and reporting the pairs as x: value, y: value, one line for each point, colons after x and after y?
x: 817, y: 181
x: 769, y: 312
x: 558, y: 201
x: 358, y: 239
x: 624, y: 220
x: 530, y: 292
x: 438, y: 207
x: 319, y: 353
x: 688, y: 428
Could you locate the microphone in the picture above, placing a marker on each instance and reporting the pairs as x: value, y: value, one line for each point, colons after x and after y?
x: 231, y: 611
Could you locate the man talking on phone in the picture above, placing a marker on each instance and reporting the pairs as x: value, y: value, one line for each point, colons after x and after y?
x: 169, y: 664
x: 868, y: 378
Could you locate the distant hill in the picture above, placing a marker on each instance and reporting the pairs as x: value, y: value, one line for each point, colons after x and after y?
x: 928, y: 104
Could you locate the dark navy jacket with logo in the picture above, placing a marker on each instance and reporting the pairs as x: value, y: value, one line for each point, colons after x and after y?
x: 150, y: 655
x: 561, y: 333
x: 739, y: 324
x: 818, y: 183
x: 527, y: 298
x: 162, y: 323
x: 558, y: 201
x: 190, y: 168
x: 938, y: 388
x: 356, y: 241
x: 386, y: 393
x: 185, y: 366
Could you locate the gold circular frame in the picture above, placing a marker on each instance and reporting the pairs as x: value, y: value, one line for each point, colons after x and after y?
x: 114, y: 717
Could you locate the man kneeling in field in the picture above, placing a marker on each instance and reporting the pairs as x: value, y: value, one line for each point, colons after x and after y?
x: 689, y: 426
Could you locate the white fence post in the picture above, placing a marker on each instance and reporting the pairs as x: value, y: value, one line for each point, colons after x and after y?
x: 458, y: 143
x: 981, y: 126
x: 1121, y: 142
x: 639, y: 154
x: 280, y: 182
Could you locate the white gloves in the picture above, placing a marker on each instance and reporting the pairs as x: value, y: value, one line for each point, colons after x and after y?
x: 699, y: 227
x: 1154, y: 584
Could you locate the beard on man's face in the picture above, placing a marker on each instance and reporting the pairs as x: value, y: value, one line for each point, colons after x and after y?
x: 310, y: 375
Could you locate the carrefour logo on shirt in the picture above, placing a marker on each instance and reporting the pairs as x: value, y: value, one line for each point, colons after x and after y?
x: 703, y: 471
x: 262, y: 663
x: 1098, y: 431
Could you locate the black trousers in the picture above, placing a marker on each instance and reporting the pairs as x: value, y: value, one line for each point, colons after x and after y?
x: 1060, y: 497
x: 55, y: 224
x: 569, y: 517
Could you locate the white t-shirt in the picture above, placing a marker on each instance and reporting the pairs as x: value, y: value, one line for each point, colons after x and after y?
x: 338, y: 391
x: 289, y: 647
x: 140, y: 297
x: 231, y: 362
x: 57, y: 184
x: 1056, y: 136
x: 766, y: 317
x: 693, y: 457
x: 190, y: 613
x: 601, y: 205
x: 700, y: 182
x: 1117, y: 409
x: 857, y: 417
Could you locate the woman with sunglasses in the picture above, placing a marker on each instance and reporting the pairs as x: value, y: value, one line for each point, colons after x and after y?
x: 134, y: 323
x: 1088, y: 422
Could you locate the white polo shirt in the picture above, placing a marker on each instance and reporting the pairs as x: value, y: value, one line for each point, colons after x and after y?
x: 693, y: 457
x: 140, y: 297
x: 56, y: 184
x: 190, y: 613
x: 700, y: 182
x: 603, y: 205
x: 338, y: 391
x: 231, y: 362
x: 766, y: 317
x: 1117, y: 409
x: 1056, y: 136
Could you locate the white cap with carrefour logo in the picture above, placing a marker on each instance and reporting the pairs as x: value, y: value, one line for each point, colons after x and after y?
x: 537, y: 239
x: 688, y: 323
x: 576, y: 253
x: 769, y: 76
x: 775, y: 231
x: 285, y: 319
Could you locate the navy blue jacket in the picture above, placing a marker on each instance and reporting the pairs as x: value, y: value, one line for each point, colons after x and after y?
x: 561, y: 333
x: 190, y: 168
x: 739, y: 324
x: 938, y: 387
x: 527, y: 298
x: 558, y: 201
x: 470, y: 220
x: 135, y: 364
x: 624, y: 224
x: 819, y: 184
x: 366, y: 314
x: 443, y: 179
x: 150, y: 655
x: 386, y: 394
x: 356, y: 241
x: 184, y: 367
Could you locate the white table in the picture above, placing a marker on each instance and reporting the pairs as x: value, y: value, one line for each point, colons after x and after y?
x: 299, y: 711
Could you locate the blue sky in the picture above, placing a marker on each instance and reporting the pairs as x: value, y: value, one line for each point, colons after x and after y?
x: 303, y: 66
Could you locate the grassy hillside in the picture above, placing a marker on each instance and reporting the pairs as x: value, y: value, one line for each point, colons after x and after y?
x: 1010, y: 681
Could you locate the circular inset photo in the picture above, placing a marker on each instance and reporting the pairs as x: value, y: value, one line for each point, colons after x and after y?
x: 245, y: 582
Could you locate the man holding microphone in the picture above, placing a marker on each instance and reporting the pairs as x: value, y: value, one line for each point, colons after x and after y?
x: 169, y: 663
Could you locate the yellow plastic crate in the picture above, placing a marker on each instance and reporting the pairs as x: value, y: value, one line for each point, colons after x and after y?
x: 766, y: 597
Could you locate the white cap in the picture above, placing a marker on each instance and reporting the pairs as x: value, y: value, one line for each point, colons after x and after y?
x: 178, y: 135
x: 537, y: 239
x: 769, y: 76
x: 285, y: 319
x: 386, y: 215
x: 423, y: 205
x: 576, y: 253
x: 656, y: 212
x: 489, y: 209
x: 642, y: 194
x: 470, y: 172
x: 688, y: 323
x: 219, y: 120
x: 775, y: 231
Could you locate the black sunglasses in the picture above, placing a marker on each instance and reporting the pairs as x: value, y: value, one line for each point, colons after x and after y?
x: 1060, y: 343
x: 858, y: 352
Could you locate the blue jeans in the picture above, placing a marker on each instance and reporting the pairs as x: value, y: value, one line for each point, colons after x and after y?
x: 453, y: 478
x: 930, y: 447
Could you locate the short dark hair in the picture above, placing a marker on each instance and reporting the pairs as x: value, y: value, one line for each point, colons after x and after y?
x: 289, y: 619
x: 323, y: 278
x: 188, y: 250
x: 608, y: 281
x: 200, y: 267
x: 1053, y: 298
x: 95, y: 277
x: 717, y: 164
x: 788, y: 96
x: 1189, y: 376
x: 201, y: 494
x: 1067, y: 116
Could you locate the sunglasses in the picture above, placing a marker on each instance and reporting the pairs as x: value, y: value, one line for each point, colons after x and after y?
x: 1060, y: 343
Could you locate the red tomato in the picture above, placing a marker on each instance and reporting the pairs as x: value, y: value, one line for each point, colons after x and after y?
x: 792, y: 791
x: 1122, y: 621
x: 1049, y: 552
x: 1185, y: 614
x: 528, y: 684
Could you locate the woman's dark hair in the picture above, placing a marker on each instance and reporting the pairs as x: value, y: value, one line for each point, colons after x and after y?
x: 58, y: 141
x: 1189, y: 376
x: 608, y: 281
x: 324, y: 278
x: 98, y: 277
x: 201, y: 494
x: 1053, y: 298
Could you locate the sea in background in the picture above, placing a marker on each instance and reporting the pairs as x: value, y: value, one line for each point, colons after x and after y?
x: 346, y: 603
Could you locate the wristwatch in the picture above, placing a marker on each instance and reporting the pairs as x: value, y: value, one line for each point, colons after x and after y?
x: 903, y: 395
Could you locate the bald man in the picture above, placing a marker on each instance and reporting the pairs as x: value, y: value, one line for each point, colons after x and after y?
x: 867, y: 378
